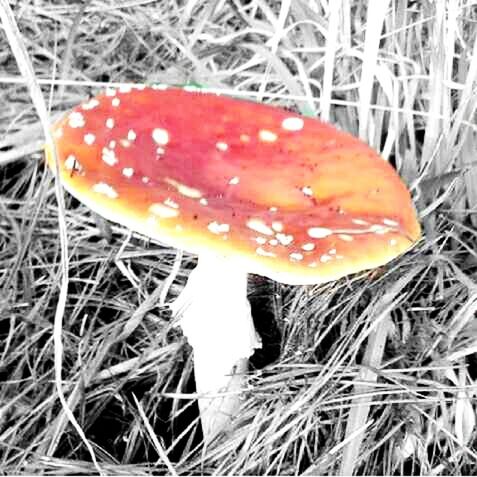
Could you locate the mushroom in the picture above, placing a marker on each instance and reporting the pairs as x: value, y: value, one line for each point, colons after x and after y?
x: 247, y: 187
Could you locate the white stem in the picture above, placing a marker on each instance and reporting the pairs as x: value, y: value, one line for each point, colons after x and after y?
x: 215, y: 317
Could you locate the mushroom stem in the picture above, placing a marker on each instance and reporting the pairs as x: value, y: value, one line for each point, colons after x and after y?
x: 215, y: 317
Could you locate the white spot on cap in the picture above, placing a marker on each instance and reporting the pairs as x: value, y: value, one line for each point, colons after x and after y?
x: 393, y: 242
x: 345, y: 237
x: 319, y: 232
x: 390, y: 223
x: 261, y: 240
x: 273, y: 209
x: 259, y: 226
x: 70, y: 162
x: 293, y: 123
x: 160, y: 136
x: 378, y: 229
x: 244, y: 137
x: 183, y: 189
x: 131, y: 135
x: 277, y: 226
x: 110, y: 92
x: 332, y: 251
x: 308, y: 247
x: 284, y: 239
x: 109, y: 157
x: 312, y: 264
x: 359, y: 222
x: 125, y: 88
x: 151, y: 221
x: 91, y: 104
x: 190, y: 88
x: 124, y: 142
x: 58, y: 133
x: 89, y: 138
x: 105, y: 189
x: 234, y: 181
x: 222, y: 146
x: 76, y: 120
x: 112, y: 144
x: 160, y: 151
x: 325, y: 258
x: 163, y: 211
x: 203, y: 201
x: 171, y: 203
x: 264, y: 253
x: 273, y: 242
x: 128, y: 172
x: 217, y: 228
x: 115, y: 102
x: 145, y: 179
x: 307, y: 190
x: 267, y: 136
x: 110, y: 123
x: 295, y: 256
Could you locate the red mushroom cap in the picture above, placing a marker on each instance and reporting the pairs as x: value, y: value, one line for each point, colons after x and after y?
x: 288, y: 197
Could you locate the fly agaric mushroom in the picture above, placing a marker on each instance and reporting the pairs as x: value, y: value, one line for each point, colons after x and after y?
x: 247, y: 187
